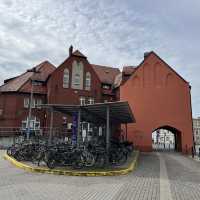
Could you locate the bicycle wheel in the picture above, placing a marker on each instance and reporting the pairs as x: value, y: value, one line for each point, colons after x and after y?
x: 78, y: 163
x: 9, y: 151
x: 89, y: 159
x: 51, y: 163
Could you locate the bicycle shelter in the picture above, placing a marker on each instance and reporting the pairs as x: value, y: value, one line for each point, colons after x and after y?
x: 115, y: 113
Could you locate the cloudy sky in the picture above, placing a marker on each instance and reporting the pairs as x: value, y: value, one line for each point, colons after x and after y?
x: 109, y: 32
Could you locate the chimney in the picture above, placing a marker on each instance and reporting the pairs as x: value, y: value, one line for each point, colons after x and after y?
x: 146, y: 54
x: 70, y: 50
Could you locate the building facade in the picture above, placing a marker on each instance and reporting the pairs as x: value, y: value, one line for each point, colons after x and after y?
x: 196, y: 130
x: 157, y: 95
x: 75, y: 81
x: 15, y: 97
x: 160, y: 99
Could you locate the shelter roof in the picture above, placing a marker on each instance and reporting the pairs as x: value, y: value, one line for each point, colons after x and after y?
x: 120, y: 111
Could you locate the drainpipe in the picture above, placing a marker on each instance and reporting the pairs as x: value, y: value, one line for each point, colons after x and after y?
x: 51, y: 126
x: 193, y: 147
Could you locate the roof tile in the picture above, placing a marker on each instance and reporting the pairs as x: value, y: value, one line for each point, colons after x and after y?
x: 106, y: 74
x: 42, y: 71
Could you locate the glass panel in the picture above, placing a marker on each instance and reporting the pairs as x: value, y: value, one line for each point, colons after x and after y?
x: 66, y: 78
x: 26, y: 102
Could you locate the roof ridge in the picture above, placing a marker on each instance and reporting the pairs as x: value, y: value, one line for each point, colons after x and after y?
x: 78, y: 53
x: 105, y: 66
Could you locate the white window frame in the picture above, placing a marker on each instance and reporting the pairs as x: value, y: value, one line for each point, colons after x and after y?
x: 33, y: 103
x: 34, y: 124
x: 77, y: 79
x: 38, y: 103
x: 90, y: 100
x: 87, y: 81
x: 26, y: 102
x: 66, y: 78
x: 82, y: 101
x: 77, y: 75
x: 106, y: 87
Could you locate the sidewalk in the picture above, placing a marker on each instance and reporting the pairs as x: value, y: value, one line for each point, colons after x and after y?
x: 196, y: 158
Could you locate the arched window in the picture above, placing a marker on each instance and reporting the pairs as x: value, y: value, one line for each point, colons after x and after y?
x: 66, y: 78
x: 88, y: 81
x: 77, y: 75
x: 77, y: 79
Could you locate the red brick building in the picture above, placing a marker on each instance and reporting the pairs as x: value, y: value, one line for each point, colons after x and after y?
x: 160, y: 99
x: 158, y: 96
x: 75, y: 81
x: 15, y: 94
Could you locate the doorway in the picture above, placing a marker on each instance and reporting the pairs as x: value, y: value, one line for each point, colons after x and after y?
x: 166, y: 138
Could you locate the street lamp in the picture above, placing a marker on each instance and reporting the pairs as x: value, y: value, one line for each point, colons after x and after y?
x: 30, y: 110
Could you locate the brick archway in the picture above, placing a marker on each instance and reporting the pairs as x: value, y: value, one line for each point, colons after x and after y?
x: 177, y: 136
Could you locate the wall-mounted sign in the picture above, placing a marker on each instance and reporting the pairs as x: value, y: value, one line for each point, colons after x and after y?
x: 74, y: 128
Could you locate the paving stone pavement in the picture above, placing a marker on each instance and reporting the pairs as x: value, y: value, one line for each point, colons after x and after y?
x: 144, y: 183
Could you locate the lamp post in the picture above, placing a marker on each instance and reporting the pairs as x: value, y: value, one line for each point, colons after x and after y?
x: 29, y: 113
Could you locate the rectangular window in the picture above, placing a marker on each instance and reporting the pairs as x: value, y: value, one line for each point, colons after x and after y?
x: 37, y: 125
x: 24, y: 125
x: 34, y: 124
x: 69, y: 126
x: 91, y: 101
x: 38, y: 103
x: 33, y: 103
x: 26, y: 102
x: 37, y: 83
x: 82, y: 101
x: 107, y: 87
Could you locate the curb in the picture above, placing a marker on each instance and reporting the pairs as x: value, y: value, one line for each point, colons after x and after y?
x: 28, y: 168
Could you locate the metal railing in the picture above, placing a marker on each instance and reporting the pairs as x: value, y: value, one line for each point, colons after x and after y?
x: 12, y: 135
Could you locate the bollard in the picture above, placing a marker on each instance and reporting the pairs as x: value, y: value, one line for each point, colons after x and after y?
x: 199, y: 152
x: 192, y: 152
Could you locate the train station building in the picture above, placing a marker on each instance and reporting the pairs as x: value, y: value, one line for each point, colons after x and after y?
x: 158, y: 97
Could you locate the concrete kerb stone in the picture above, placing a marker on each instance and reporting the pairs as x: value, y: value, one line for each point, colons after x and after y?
x: 122, y: 171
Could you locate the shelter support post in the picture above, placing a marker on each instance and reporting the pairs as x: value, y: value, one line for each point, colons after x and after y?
x: 78, y: 127
x: 126, y: 131
x: 107, y: 133
x: 107, y: 128
x: 51, y: 126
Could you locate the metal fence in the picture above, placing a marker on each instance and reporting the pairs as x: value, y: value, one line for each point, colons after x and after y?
x: 12, y: 135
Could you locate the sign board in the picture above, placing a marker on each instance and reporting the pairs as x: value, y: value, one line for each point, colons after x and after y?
x: 74, y: 128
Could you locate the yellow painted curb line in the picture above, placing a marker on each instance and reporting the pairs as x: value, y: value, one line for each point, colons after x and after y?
x: 123, y: 171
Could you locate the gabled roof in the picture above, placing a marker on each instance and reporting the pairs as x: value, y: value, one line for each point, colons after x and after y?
x: 153, y: 53
x: 106, y: 74
x: 78, y: 53
x: 40, y: 73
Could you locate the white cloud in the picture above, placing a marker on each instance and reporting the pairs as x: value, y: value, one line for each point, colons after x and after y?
x: 110, y: 32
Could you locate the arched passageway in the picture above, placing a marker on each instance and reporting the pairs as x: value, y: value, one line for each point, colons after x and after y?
x: 166, y: 138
